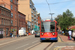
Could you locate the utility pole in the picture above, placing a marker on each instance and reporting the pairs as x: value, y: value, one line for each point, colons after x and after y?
x: 51, y: 15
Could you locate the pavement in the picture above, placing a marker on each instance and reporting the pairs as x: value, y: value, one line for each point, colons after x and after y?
x: 65, y: 44
x: 5, y: 38
x: 65, y: 38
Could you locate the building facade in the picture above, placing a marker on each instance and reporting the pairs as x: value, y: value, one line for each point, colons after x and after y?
x: 12, y: 5
x: 5, y: 21
x: 27, y: 7
x: 39, y: 19
x: 22, y: 20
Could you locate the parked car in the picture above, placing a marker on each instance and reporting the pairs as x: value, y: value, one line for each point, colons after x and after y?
x: 37, y: 34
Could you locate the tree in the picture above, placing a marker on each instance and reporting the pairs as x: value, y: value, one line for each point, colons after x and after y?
x: 66, y: 19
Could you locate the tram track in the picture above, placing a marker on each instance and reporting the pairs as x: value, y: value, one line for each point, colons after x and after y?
x: 48, y: 45
x: 37, y: 46
x: 33, y: 46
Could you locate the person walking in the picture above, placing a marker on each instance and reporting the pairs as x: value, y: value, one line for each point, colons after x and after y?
x: 27, y: 33
x: 70, y: 33
x: 14, y: 35
x: 62, y: 32
x: 73, y: 35
x: 11, y: 34
x: 17, y: 34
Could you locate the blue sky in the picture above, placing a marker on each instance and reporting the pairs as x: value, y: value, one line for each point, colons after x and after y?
x: 43, y: 9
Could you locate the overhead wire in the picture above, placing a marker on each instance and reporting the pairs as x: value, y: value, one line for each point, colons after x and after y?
x: 61, y: 2
x: 48, y: 6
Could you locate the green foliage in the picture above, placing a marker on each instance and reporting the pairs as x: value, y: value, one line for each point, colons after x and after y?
x: 66, y: 19
x: 72, y: 29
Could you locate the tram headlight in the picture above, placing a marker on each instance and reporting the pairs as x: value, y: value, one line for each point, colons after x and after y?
x: 53, y: 33
x: 41, y: 33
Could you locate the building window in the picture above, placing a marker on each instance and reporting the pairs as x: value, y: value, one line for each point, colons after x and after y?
x: 11, y: 0
x: 15, y: 1
x: 30, y: 6
x: 1, y: 11
x: 15, y: 8
x: 11, y: 22
x: 39, y: 24
x: 11, y: 14
x: 15, y: 23
x: 15, y: 15
x: 2, y: 21
x: 11, y: 7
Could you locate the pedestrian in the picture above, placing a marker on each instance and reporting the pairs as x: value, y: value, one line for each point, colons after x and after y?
x: 73, y: 35
x: 11, y: 34
x: 70, y: 33
x: 14, y: 35
x: 27, y: 33
x: 62, y: 32
x: 17, y: 33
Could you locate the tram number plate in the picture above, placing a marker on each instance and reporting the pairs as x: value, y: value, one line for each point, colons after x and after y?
x: 47, y: 38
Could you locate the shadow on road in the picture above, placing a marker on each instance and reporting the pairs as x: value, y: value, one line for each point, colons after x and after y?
x: 48, y: 41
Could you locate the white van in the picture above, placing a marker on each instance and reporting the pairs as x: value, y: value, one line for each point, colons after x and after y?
x: 32, y: 32
x: 22, y: 32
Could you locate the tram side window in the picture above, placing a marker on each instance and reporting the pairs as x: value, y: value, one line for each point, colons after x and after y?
x: 42, y: 27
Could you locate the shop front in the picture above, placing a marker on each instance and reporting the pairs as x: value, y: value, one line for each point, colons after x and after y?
x: 1, y: 32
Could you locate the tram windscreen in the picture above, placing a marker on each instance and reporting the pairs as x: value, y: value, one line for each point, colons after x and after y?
x: 47, y: 26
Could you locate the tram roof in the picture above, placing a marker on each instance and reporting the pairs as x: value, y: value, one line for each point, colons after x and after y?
x: 50, y: 21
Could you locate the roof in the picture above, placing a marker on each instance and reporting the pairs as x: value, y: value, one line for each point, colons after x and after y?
x: 72, y: 27
x: 21, y: 13
x: 4, y: 8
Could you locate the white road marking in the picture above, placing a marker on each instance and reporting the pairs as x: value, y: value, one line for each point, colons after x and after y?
x: 22, y: 46
x: 34, y: 41
x: 13, y: 41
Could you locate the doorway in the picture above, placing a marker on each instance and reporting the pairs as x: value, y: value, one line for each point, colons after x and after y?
x: 7, y: 29
x: 1, y: 32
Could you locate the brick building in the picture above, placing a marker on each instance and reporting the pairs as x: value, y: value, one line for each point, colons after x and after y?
x: 39, y: 19
x: 12, y: 5
x: 22, y: 20
x: 5, y: 21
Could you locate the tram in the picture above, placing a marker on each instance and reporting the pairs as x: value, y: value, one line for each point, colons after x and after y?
x: 48, y: 30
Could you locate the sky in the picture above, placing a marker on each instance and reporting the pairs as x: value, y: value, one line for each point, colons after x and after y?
x: 42, y: 7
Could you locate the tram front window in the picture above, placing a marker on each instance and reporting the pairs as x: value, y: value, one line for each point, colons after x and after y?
x: 52, y: 27
x: 47, y: 26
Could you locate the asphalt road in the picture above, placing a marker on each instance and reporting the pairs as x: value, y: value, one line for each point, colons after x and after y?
x: 19, y: 43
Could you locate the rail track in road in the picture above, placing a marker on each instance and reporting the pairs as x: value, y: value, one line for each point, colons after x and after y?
x: 48, y: 46
x: 40, y: 46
